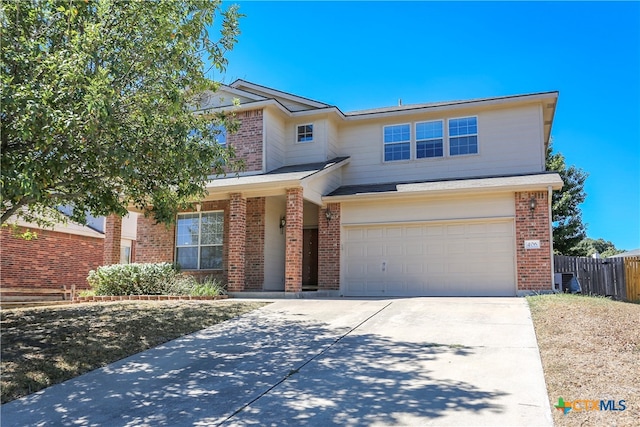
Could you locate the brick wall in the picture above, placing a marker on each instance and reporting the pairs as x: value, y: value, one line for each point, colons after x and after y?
x: 52, y: 260
x: 293, y: 242
x: 533, y: 265
x: 254, y: 256
x: 112, y: 239
x: 237, y: 242
x: 247, y: 141
x: 329, y: 248
x: 155, y: 242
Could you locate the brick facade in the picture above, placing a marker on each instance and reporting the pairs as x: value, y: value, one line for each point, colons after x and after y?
x: 52, y: 260
x: 329, y: 248
x: 293, y: 241
x: 247, y: 141
x: 237, y: 242
x: 533, y: 265
x: 112, y: 238
x: 155, y: 242
x: 254, y: 258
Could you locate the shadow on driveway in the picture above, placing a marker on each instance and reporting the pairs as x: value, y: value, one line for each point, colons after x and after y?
x: 267, y: 368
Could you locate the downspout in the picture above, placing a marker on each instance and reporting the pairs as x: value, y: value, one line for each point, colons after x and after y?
x: 550, y: 202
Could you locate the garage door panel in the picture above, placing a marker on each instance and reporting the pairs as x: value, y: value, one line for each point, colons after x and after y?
x: 466, y: 258
x: 395, y: 249
x: 374, y: 249
x: 393, y: 233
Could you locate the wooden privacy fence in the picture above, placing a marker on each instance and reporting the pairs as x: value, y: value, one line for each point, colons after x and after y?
x: 602, y: 276
x: 632, y: 277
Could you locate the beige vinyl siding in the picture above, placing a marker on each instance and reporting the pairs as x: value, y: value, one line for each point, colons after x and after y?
x: 317, y: 186
x: 222, y: 98
x: 332, y: 139
x: 274, y: 134
x: 298, y: 153
x: 274, y: 244
x: 428, y: 209
x: 288, y: 103
x: 510, y: 141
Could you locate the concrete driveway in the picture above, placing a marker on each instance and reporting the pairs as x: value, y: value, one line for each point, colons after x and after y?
x: 415, y: 361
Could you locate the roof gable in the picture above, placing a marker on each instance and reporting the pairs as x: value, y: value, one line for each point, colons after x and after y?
x: 290, y: 101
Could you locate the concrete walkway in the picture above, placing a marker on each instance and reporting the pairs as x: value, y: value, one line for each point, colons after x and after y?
x: 418, y: 361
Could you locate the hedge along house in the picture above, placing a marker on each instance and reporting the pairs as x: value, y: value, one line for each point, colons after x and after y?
x: 447, y: 198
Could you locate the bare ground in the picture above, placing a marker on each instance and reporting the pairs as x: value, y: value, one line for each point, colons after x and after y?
x: 590, y: 350
x: 47, y: 345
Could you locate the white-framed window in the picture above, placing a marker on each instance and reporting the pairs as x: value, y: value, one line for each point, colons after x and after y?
x: 199, y: 240
x: 397, y: 142
x: 463, y: 136
x: 429, y: 139
x: 304, y: 133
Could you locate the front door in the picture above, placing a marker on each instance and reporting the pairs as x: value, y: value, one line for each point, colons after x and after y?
x: 310, y: 259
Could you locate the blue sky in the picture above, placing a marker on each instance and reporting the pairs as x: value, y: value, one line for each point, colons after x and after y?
x: 358, y: 55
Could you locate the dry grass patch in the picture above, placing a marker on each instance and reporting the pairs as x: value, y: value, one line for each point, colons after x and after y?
x: 47, y: 345
x: 590, y: 349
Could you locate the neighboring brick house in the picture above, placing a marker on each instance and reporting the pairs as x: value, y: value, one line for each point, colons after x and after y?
x: 59, y: 257
x: 448, y: 198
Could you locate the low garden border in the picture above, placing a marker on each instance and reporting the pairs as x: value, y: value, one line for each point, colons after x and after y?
x: 104, y: 298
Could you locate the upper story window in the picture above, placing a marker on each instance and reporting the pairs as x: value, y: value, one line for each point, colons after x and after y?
x: 305, y: 133
x: 221, y: 135
x: 463, y: 136
x: 199, y: 240
x: 397, y: 142
x: 429, y: 139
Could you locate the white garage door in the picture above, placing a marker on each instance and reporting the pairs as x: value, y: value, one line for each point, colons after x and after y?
x: 471, y: 258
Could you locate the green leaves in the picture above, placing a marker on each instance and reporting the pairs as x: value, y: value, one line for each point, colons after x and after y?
x: 568, y: 229
x: 96, y: 104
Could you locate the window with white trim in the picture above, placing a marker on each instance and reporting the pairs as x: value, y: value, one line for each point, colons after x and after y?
x: 463, y: 136
x: 305, y: 133
x: 429, y: 139
x: 199, y: 240
x: 397, y: 142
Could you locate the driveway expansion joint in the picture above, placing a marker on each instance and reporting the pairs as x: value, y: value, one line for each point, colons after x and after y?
x: 296, y: 370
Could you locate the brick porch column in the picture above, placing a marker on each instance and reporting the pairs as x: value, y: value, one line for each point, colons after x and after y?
x: 237, y: 242
x: 293, y: 241
x: 533, y: 265
x: 112, y: 238
x: 329, y: 248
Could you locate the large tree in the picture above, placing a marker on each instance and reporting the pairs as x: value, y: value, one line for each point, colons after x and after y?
x: 589, y: 247
x: 97, y: 104
x: 568, y: 229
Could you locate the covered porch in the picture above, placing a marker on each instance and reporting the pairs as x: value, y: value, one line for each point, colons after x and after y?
x: 279, y: 236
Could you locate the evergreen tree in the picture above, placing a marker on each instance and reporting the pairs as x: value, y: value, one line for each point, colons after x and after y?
x: 568, y: 229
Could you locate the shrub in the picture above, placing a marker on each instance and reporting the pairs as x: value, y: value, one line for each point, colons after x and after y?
x: 149, y: 279
x: 181, y: 285
x: 210, y: 287
x: 132, y: 279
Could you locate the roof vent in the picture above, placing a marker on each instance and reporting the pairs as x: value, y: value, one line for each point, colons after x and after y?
x: 399, y: 102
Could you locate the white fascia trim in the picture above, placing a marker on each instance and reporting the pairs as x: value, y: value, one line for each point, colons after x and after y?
x: 275, y: 92
x: 246, y: 106
x: 241, y: 92
x: 474, y: 186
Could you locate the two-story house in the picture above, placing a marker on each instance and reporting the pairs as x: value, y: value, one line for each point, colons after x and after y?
x: 448, y: 198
